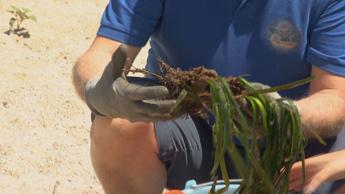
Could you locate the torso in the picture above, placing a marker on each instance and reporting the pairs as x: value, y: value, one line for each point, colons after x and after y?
x: 264, y: 39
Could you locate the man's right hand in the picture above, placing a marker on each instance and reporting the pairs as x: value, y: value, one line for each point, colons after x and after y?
x: 112, y: 95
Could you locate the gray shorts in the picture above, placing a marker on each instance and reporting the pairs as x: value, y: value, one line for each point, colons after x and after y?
x: 186, y: 149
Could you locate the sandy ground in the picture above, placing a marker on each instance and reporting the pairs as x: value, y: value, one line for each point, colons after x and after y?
x: 44, y: 127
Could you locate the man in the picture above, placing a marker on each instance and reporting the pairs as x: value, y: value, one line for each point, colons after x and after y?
x: 272, y: 41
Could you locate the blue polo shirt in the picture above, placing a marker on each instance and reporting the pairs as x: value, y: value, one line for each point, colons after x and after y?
x: 270, y: 41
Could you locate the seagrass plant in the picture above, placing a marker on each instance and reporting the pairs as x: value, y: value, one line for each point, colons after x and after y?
x: 269, y: 130
x: 262, y: 170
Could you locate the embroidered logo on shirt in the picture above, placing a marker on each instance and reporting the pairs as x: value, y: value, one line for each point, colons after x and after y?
x: 283, y: 35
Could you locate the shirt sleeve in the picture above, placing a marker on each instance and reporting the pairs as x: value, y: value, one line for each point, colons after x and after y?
x: 326, y: 49
x: 130, y: 21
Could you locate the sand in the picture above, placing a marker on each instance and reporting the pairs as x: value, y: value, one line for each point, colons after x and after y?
x: 44, y: 126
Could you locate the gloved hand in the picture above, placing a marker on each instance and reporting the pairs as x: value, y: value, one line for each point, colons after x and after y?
x: 112, y: 95
x: 258, y: 86
x: 272, y: 98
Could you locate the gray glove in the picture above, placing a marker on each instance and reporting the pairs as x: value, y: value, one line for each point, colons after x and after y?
x: 259, y: 86
x: 112, y: 95
x: 245, y: 107
x: 272, y: 97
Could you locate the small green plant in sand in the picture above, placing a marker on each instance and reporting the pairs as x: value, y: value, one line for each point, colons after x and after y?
x: 18, y: 16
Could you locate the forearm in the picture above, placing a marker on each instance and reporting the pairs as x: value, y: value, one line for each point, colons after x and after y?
x: 88, y: 67
x: 323, y: 112
x: 94, y: 61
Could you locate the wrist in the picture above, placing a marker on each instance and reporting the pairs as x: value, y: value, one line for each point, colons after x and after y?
x: 97, y: 91
x: 307, y: 125
x: 89, y: 93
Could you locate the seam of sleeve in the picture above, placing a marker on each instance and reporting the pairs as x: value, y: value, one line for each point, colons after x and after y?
x: 316, y: 58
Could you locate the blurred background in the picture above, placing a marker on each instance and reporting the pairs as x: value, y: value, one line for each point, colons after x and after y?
x: 44, y: 126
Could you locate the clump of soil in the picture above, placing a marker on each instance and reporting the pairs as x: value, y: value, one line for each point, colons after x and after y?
x: 196, y: 82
